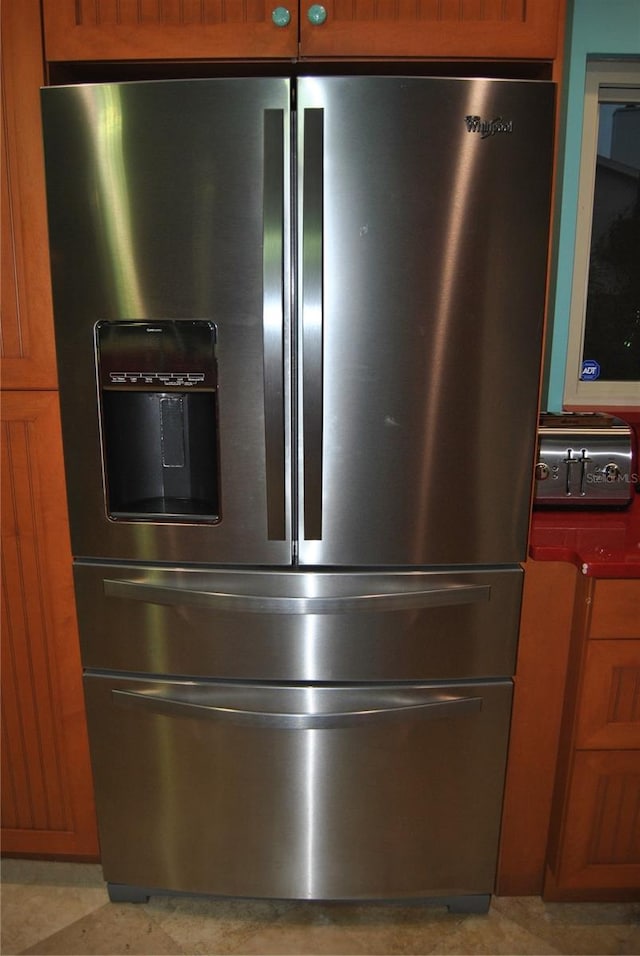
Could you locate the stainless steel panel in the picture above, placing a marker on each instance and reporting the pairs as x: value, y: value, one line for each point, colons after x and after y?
x: 403, y: 805
x: 298, y: 626
x: 170, y: 200
x: 435, y: 232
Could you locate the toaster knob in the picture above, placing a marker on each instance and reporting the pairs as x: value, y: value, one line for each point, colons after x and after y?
x: 542, y: 471
x: 612, y: 471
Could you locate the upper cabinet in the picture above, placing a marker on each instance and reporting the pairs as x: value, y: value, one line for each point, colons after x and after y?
x: 169, y: 29
x: 284, y: 29
x: 27, y: 342
x: 472, y: 29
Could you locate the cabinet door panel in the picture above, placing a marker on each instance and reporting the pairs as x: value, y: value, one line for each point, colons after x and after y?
x: 441, y: 28
x: 47, y: 794
x: 609, y: 714
x: 616, y: 609
x: 601, y: 845
x: 28, y: 353
x: 163, y: 29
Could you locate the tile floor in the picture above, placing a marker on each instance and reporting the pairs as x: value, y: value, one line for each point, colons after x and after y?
x: 63, y: 908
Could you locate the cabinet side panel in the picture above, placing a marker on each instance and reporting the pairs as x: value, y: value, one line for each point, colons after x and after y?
x: 545, y: 628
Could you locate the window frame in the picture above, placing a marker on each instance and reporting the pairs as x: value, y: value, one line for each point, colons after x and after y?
x: 605, y: 82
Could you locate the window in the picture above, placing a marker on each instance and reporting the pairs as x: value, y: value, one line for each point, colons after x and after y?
x: 603, y: 360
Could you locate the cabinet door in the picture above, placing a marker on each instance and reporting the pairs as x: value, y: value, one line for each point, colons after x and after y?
x: 47, y: 794
x: 609, y: 712
x: 600, y: 850
x: 169, y: 29
x: 28, y: 354
x: 433, y: 28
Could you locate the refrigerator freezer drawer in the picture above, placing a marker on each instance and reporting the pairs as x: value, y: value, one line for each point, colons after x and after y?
x: 340, y: 792
x: 298, y: 626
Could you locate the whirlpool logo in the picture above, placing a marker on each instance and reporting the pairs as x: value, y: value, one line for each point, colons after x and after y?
x: 486, y: 128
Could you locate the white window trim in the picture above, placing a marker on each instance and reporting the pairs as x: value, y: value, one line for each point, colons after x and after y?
x: 606, y: 81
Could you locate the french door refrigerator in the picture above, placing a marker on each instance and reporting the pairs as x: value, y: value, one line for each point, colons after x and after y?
x: 299, y: 330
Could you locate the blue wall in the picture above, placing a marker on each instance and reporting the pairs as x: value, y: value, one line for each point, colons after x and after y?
x: 595, y: 27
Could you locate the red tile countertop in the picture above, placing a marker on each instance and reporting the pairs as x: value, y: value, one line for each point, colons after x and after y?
x: 603, y: 543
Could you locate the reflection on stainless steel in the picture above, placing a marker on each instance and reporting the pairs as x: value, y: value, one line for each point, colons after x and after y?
x: 312, y: 321
x: 451, y: 266
x: 105, y: 121
x: 297, y: 542
x: 273, y: 321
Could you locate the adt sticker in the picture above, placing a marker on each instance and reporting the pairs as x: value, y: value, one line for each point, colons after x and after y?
x: 590, y: 371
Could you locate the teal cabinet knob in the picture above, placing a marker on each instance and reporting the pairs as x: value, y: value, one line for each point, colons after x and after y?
x: 281, y: 17
x: 316, y: 14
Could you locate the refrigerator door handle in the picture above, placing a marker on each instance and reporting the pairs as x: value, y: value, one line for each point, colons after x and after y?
x: 273, y: 321
x: 295, y: 604
x: 360, y: 710
x: 312, y: 321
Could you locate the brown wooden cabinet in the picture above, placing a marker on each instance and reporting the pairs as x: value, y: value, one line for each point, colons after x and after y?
x: 47, y: 795
x: 231, y: 29
x: 28, y: 353
x: 594, y: 849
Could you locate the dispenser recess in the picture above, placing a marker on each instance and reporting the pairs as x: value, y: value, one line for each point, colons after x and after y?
x: 158, y: 389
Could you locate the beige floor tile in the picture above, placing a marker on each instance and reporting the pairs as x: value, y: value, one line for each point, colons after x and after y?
x: 59, y: 908
x: 293, y: 941
x: 314, y: 928
x: 117, y: 929
x: 427, y: 929
x: 249, y: 927
x: 205, y: 925
x: 33, y: 911
x: 494, y: 935
x: 579, y: 929
x: 384, y: 929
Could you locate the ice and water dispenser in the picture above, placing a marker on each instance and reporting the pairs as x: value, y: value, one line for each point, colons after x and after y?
x: 158, y: 390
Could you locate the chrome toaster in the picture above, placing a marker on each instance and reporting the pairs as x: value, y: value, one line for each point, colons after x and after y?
x: 584, y: 459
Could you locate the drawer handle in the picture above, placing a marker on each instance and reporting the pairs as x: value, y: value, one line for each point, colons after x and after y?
x: 435, y: 707
x: 293, y: 604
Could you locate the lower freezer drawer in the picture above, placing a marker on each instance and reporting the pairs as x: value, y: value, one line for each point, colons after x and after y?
x: 343, y: 792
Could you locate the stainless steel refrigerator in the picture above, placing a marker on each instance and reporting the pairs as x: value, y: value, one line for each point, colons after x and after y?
x: 299, y: 332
